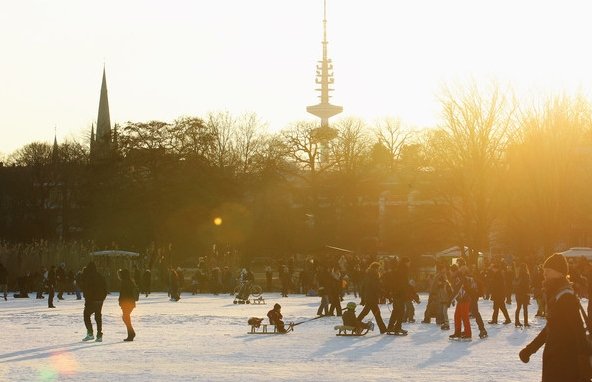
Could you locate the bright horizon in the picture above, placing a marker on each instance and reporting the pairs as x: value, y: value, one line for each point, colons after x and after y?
x: 166, y: 60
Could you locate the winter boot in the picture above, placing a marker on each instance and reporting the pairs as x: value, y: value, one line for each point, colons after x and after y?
x: 89, y: 336
x: 130, y: 336
x: 465, y: 337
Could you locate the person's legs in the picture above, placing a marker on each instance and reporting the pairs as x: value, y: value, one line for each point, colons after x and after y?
x: 99, y: 318
x: 376, y: 312
x: 127, y: 310
x: 457, y: 320
x: 50, y: 297
x: 505, y: 312
x: 496, y: 308
x: 86, y: 314
x: 464, y: 312
x: 474, y: 310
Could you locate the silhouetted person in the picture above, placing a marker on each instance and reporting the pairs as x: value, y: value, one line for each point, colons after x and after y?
x: 94, y: 288
x: 51, y: 284
x: 128, y: 295
x: 4, y: 281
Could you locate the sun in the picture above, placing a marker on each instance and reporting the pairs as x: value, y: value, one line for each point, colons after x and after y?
x: 218, y: 221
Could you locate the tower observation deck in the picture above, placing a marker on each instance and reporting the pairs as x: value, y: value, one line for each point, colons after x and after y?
x: 324, y: 77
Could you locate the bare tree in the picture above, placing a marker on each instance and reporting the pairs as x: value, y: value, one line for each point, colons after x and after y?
x: 222, y: 125
x: 351, y: 148
x: 466, y: 154
x: 248, y: 140
x: 393, y: 137
x: 550, y: 177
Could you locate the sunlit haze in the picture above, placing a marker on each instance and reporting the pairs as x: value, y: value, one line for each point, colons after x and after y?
x: 169, y: 59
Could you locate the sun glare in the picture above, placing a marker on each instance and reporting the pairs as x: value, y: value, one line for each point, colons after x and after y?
x: 218, y: 221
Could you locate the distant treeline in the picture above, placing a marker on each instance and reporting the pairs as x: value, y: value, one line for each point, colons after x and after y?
x: 495, y: 176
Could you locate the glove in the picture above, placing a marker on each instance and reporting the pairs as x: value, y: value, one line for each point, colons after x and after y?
x: 525, y: 355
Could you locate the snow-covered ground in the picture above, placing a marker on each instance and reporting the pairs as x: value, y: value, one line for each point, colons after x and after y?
x: 205, y: 338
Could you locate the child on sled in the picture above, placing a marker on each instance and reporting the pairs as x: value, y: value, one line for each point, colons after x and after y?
x: 275, y: 318
x: 350, y: 319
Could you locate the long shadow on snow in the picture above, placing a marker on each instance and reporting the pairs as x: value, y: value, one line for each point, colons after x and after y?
x: 338, y: 344
x: 48, y: 351
x: 454, y: 351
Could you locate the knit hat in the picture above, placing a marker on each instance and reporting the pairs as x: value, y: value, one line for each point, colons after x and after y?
x: 557, y: 262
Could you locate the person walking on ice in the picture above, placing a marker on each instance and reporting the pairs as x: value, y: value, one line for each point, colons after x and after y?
x: 128, y: 296
x: 564, y: 335
x: 95, y: 292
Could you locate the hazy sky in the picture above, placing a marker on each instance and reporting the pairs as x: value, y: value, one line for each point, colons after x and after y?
x: 167, y: 59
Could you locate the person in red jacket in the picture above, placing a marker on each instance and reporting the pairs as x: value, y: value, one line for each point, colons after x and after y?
x: 275, y: 318
x: 462, y: 291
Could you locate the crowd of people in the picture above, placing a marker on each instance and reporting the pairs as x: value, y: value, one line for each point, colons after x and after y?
x: 556, y: 286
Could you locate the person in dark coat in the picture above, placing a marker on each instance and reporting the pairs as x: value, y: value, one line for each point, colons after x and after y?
x: 51, y: 285
x: 522, y: 294
x: 146, y: 280
x: 371, y: 294
x: 399, y: 289
x: 285, y: 279
x: 60, y: 273
x: 564, y: 335
x: 128, y: 296
x: 334, y: 291
x: 94, y: 288
x: 324, y: 281
x: 4, y: 281
x: 498, y: 294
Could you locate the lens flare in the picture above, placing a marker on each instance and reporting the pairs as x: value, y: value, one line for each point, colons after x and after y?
x: 218, y: 221
x: 61, y: 364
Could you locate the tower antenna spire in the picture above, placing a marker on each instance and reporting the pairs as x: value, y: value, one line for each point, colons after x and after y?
x: 324, y: 109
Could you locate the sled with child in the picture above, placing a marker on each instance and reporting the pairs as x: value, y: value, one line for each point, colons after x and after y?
x: 258, y: 327
x: 350, y: 331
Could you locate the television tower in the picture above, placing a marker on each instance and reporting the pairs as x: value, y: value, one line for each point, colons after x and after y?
x: 324, y: 110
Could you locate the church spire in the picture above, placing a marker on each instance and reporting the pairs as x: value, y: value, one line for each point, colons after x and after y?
x: 103, y: 118
x: 101, y: 141
x: 54, y: 150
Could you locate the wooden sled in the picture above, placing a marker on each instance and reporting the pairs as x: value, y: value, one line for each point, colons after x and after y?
x: 349, y: 331
x: 270, y: 329
x: 258, y: 301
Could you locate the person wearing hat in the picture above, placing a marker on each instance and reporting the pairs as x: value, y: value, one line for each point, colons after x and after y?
x: 349, y: 319
x: 275, y: 318
x: 564, y: 335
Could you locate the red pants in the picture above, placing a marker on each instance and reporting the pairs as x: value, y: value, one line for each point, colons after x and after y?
x: 461, y: 313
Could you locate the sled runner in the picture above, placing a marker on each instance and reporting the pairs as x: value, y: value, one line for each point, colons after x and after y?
x: 270, y: 329
x: 255, y: 301
x: 398, y: 333
x: 349, y: 331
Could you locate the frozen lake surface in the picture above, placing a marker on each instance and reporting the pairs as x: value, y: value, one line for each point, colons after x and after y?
x: 205, y: 338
